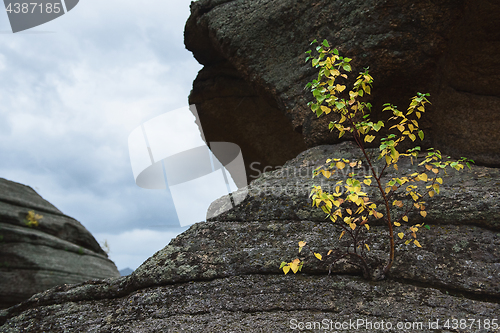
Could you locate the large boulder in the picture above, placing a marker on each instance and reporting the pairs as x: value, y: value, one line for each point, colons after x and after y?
x: 223, y: 275
x: 57, y: 251
x: 250, y: 90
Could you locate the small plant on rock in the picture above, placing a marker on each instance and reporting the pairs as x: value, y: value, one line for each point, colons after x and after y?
x: 32, y: 219
x: 349, y: 206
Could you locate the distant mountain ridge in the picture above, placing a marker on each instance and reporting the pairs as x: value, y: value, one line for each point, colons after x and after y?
x: 126, y: 271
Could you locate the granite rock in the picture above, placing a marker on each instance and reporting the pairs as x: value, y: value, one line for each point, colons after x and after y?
x: 57, y: 251
x: 250, y: 90
x: 223, y: 274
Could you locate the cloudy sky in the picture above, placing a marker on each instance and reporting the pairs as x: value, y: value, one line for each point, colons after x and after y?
x: 72, y: 91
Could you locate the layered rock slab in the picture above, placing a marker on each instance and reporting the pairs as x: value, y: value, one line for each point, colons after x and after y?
x: 224, y: 274
x: 259, y: 303
x: 57, y: 251
x: 250, y: 90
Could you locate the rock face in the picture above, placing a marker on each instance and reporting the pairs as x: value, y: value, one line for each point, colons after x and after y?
x: 223, y: 275
x: 57, y: 251
x: 250, y: 90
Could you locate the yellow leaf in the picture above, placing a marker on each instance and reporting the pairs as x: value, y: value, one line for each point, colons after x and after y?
x: 435, y: 171
x: 401, y: 235
x: 423, y: 177
x: 367, y: 227
x: 353, y: 164
x: 405, y: 218
x: 397, y: 224
x: 408, y: 242
x: 286, y: 269
x: 340, y: 88
x: 367, y: 247
x: 431, y: 193
x: 396, y: 166
x: 353, y: 226
x: 423, y: 213
x: 369, y: 138
x: 439, y: 180
x: 325, y: 109
x: 294, y: 266
x: 348, y: 211
x: 387, y: 189
x: 428, y: 167
x: 342, y: 234
x: 340, y: 165
x: 329, y: 204
x: 417, y: 243
x: 367, y: 181
x: 388, y: 159
x: 302, y: 244
x: 329, y: 252
x: 317, y: 255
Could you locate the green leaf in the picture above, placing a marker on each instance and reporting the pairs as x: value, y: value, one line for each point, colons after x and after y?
x: 346, y: 67
x: 378, y: 125
x: 421, y: 134
x: 325, y: 43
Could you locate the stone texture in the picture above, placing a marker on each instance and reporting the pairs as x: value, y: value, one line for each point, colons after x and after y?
x: 250, y: 90
x: 57, y: 251
x: 223, y: 274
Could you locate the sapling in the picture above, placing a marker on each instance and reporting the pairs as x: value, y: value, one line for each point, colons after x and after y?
x: 349, y: 207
